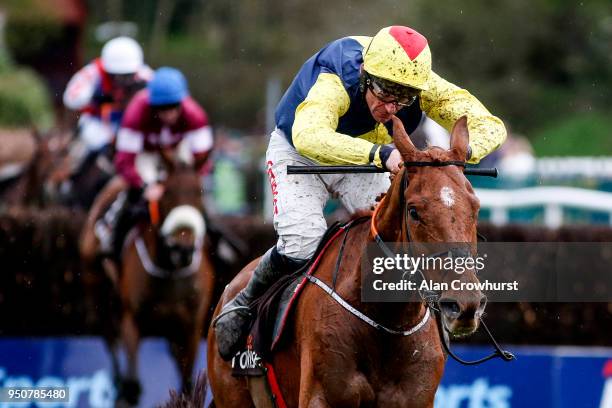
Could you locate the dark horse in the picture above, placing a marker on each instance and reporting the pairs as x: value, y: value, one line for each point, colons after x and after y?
x: 166, y: 278
x: 334, y: 359
x: 47, y: 176
x: 30, y: 184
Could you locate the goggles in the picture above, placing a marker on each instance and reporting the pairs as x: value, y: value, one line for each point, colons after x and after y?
x: 390, y: 92
x: 123, y: 79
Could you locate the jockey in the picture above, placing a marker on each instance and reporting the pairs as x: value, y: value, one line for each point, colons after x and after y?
x: 157, y: 119
x: 101, y: 90
x: 338, y: 110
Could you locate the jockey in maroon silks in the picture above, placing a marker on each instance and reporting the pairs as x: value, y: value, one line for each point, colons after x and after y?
x: 157, y: 120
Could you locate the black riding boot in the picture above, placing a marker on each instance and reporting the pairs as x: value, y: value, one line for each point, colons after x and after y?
x: 127, y: 216
x: 236, y: 317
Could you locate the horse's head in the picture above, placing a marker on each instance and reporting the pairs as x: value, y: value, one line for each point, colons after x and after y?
x: 441, y: 207
x: 47, y: 165
x: 182, y: 225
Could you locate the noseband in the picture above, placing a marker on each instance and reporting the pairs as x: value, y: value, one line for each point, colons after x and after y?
x: 431, y: 298
x: 157, y: 271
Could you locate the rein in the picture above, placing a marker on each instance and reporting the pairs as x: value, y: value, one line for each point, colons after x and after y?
x: 430, y: 297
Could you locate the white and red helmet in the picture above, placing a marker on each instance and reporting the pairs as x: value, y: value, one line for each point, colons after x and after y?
x: 122, y: 55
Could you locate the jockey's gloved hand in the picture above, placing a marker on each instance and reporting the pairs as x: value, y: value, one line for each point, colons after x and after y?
x: 393, y: 162
x: 153, y: 192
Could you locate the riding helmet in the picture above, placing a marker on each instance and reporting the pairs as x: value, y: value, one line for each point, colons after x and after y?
x: 399, y: 54
x: 122, y: 55
x: 167, y: 87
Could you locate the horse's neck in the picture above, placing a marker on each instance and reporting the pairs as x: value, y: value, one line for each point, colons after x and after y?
x: 149, y: 236
x: 388, y: 218
x: 388, y: 222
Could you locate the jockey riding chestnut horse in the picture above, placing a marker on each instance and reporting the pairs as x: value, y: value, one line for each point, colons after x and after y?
x: 163, y: 273
x: 345, y: 106
x: 384, y: 354
x: 338, y: 110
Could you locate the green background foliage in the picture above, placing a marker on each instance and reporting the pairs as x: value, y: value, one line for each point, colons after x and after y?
x: 543, y: 66
x: 24, y: 99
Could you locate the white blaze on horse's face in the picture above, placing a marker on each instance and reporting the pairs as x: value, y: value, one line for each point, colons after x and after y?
x: 184, y: 216
x: 447, y: 195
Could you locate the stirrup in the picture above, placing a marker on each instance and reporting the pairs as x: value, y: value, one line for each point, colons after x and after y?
x: 233, y: 309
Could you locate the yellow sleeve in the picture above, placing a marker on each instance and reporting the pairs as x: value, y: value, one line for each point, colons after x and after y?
x: 445, y: 103
x: 316, y: 119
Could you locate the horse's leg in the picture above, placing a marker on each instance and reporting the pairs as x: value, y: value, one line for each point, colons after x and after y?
x: 111, y: 341
x: 311, y: 395
x: 185, y: 338
x: 130, y: 387
x: 184, y: 348
x: 228, y: 391
x: 354, y: 391
x: 113, y: 348
x: 100, y: 291
x: 323, y: 353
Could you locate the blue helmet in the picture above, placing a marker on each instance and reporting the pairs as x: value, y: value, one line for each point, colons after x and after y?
x: 168, y: 87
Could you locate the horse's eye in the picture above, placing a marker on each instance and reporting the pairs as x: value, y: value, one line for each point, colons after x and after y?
x: 413, y: 213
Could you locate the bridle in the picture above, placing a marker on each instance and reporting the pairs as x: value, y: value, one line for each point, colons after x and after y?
x: 431, y: 298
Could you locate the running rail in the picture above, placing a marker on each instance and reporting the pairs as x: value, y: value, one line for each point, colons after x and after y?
x: 552, y: 199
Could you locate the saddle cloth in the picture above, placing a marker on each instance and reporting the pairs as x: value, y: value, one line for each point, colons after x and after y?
x: 274, y: 310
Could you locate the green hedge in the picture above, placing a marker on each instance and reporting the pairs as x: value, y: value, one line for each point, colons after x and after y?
x: 24, y: 100
x: 582, y: 134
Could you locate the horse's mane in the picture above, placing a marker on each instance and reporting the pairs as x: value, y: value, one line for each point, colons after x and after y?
x: 361, y: 213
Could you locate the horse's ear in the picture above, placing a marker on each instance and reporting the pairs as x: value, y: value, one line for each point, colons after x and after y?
x: 402, y: 140
x: 460, y: 138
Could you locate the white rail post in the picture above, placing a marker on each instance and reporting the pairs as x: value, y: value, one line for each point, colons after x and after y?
x: 553, y: 215
x: 499, y: 215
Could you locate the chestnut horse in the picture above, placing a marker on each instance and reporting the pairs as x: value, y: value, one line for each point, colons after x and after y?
x: 166, y: 280
x: 331, y: 358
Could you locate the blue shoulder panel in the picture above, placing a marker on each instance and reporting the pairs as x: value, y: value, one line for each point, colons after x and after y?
x: 344, y: 58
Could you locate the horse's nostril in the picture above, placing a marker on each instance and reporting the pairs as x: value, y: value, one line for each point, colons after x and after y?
x: 450, y: 307
x: 181, y: 255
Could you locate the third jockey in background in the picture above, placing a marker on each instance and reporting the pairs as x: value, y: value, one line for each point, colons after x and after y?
x: 157, y: 120
x: 101, y: 90
x: 340, y: 109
